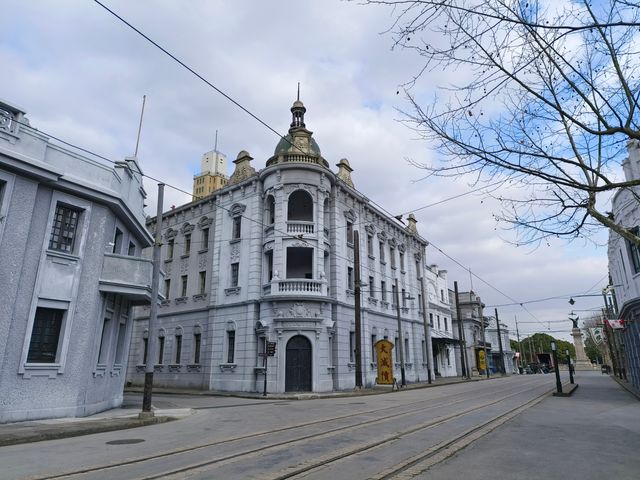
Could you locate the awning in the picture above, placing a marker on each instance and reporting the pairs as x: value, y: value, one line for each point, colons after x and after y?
x: 444, y: 340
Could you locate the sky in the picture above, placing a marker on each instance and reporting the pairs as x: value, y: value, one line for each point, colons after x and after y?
x: 80, y: 74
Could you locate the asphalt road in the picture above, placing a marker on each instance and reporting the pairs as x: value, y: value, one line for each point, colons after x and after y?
x: 395, y: 435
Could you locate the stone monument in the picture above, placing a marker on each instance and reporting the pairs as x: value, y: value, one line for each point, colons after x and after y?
x: 582, y: 362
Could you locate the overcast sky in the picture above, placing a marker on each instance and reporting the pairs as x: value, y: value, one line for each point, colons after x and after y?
x: 80, y: 75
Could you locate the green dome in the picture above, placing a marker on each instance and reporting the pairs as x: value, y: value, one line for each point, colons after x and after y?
x: 285, y: 145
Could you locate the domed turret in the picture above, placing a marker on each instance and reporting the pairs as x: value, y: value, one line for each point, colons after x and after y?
x: 298, y: 145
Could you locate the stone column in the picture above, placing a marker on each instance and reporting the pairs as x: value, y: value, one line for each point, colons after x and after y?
x: 582, y: 362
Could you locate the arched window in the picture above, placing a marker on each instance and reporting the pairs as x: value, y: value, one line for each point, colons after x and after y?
x: 270, y: 210
x: 300, y: 206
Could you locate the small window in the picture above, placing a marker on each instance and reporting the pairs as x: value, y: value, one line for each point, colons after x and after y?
x: 236, y: 228
x: 161, y: 350
x: 396, y: 350
x: 374, y: 339
x: 383, y: 290
x: 178, y: 345
x: 170, y: 246
x: 442, y: 295
x: 350, y: 283
x: 205, y: 239
x: 167, y: 288
x: 231, y: 346
x: 63, y: 231
x: 406, y: 350
x: 117, y: 241
x: 131, y: 251
x: 431, y: 320
x: 350, y: 233
x: 382, y: 251
x: 404, y: 298
x: 370, y: 245
x: 634, y: 251
x: 121, y: 344
x: 392, y: 257
x: 235, y: 270
x: 202, y: 283
x: 183, y: 290
x: 45, y: 336
x: 438, y: 320
x: 372, y: 288
x: 187, y: 244
x: 446, y: 324
x: 394, y: 295
x: 104, y: 342
x: 401, y: 261
x: 424, y: 352
x: 197, y: 338
x: 419, y: 302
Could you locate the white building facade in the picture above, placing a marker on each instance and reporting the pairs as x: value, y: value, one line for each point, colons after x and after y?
x: 624, y: 268
x: 271, y: 258
x: 71, y: 235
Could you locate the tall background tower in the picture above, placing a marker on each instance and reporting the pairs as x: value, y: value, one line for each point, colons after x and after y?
x: 212, y: 176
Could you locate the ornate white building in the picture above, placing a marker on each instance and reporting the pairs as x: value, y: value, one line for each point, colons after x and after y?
x: 270, y: 257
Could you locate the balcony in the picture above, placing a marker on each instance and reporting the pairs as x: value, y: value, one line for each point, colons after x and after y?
x: 297, y: 228
x: 127, y: 276
x: 297, y: 287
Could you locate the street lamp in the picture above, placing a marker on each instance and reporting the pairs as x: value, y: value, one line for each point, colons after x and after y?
x: 555, y: 363
x: 570, y: 366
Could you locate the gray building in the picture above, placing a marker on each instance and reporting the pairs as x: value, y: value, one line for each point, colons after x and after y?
x: 491, y: 333
x: 71, y: 234
x: 270, y: 258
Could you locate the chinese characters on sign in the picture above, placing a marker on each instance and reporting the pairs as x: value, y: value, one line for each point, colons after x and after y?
x: 385, y: 363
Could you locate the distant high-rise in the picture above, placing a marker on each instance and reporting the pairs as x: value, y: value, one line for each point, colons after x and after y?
x: 212, y: 177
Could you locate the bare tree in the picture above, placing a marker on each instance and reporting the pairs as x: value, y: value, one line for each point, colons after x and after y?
x: 542, y: 101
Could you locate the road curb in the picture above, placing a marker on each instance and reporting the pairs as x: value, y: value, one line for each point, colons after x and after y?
x: 628, y: 387
x: 57, y: 431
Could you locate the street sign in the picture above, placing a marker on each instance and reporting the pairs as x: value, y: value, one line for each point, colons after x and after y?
x: 271, y: 349
x: 385, y: 363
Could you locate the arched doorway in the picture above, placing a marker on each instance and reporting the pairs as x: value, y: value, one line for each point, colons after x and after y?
x: 298, y: 365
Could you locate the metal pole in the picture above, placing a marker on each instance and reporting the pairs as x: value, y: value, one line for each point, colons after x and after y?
x: 519, y: 346
x: 555, y: 362
x: 153, y: 313
x: 358, y: 319
x: 570, y: 366
x: 460, y: 330
x: 264, y: 392
x: 144, y: 99
x: 400, y: 341
x: 427, y: 332
x: 484, y: 341
x: 502, y: 369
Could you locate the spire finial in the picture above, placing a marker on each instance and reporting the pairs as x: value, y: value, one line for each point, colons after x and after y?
x: 298, y: 91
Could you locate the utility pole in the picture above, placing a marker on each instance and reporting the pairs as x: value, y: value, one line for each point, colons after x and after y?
x: 530, y: 349
x: 519, y: 345
x: 153, y: 313
x: 427, y: 331
x: 400, y: 341
x: 502, y: 369
x: 460, y: 331
x: 484, y: 341
x: 358, y: 319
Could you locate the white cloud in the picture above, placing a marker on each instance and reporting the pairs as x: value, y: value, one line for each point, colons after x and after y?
x: 81, y: 75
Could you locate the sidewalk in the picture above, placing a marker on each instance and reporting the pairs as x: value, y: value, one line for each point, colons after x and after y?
x: 125, y: 418
x: 591, y: 435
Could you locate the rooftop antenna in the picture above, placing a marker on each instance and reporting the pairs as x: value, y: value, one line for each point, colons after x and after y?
x: 144, y: 98
x: 215, y: 146
x: 298, y: 91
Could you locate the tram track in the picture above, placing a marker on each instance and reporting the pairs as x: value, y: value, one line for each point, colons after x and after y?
x: 449, y: 400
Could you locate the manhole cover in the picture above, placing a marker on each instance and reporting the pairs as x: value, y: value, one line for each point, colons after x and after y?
x: 125, y: 441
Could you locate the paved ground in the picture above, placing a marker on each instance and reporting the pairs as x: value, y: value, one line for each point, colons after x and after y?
x: 594, y: 434
x: 167, y: 404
